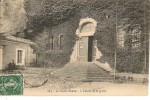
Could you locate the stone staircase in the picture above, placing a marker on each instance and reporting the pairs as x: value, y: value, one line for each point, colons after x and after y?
x: 97, y: 74
x: 84, y: 71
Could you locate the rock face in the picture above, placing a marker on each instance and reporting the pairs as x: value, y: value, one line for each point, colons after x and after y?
x: 12, y: 16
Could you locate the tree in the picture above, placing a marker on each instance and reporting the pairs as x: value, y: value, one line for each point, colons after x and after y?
x: 40, y: 47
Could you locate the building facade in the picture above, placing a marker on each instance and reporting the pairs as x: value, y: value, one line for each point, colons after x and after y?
x: 17, y: 50
x: 101, y: 36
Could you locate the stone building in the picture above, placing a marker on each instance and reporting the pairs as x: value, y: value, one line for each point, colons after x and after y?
x: 17, y: 50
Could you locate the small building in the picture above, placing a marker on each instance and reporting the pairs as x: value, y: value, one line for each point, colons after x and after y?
x: 17, y: 50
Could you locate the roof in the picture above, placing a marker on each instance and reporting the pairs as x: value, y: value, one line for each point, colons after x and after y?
x: 18, y: 39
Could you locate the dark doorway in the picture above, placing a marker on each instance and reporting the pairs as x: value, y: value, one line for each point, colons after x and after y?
x: 90, y: 48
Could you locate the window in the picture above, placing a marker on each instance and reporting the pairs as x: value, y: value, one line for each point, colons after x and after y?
x: 61, y: 39
x: 136, y: 37
x: 20, y: 57
x: 121, y: 38
x: 132, y: 41
x: 51, y: 42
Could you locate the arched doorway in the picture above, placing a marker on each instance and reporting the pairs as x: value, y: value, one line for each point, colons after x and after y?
x: 86, y: 46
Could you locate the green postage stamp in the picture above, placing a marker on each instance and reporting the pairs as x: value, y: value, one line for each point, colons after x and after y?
x: 11, y: 85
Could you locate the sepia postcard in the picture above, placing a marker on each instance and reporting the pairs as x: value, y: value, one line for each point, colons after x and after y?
x: 74, y: 47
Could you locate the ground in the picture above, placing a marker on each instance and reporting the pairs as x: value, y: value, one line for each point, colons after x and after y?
x: 42, y: 81
x: 100, y: 88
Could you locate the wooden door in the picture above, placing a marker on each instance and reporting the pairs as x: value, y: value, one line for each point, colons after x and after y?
x: 83, y: 49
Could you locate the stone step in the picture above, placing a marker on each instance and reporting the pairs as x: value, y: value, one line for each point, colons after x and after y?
x: 84, y: 71
x: 98, y: 77
x: 98, y: 80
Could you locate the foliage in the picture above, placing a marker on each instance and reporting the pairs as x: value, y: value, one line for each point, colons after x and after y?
x: 13, y: 66
x: 130, y: 62
x: 109, y: 14
x: 56, y: 58
x: 47, y: 13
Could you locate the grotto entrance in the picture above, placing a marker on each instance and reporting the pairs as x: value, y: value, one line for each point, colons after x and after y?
x: 86, y: 49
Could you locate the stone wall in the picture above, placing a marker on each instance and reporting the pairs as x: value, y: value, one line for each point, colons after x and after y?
x: 10, y: 53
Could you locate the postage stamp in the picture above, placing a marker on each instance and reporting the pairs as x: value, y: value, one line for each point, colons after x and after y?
x: 11, y: 85
x: 74, y: 47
